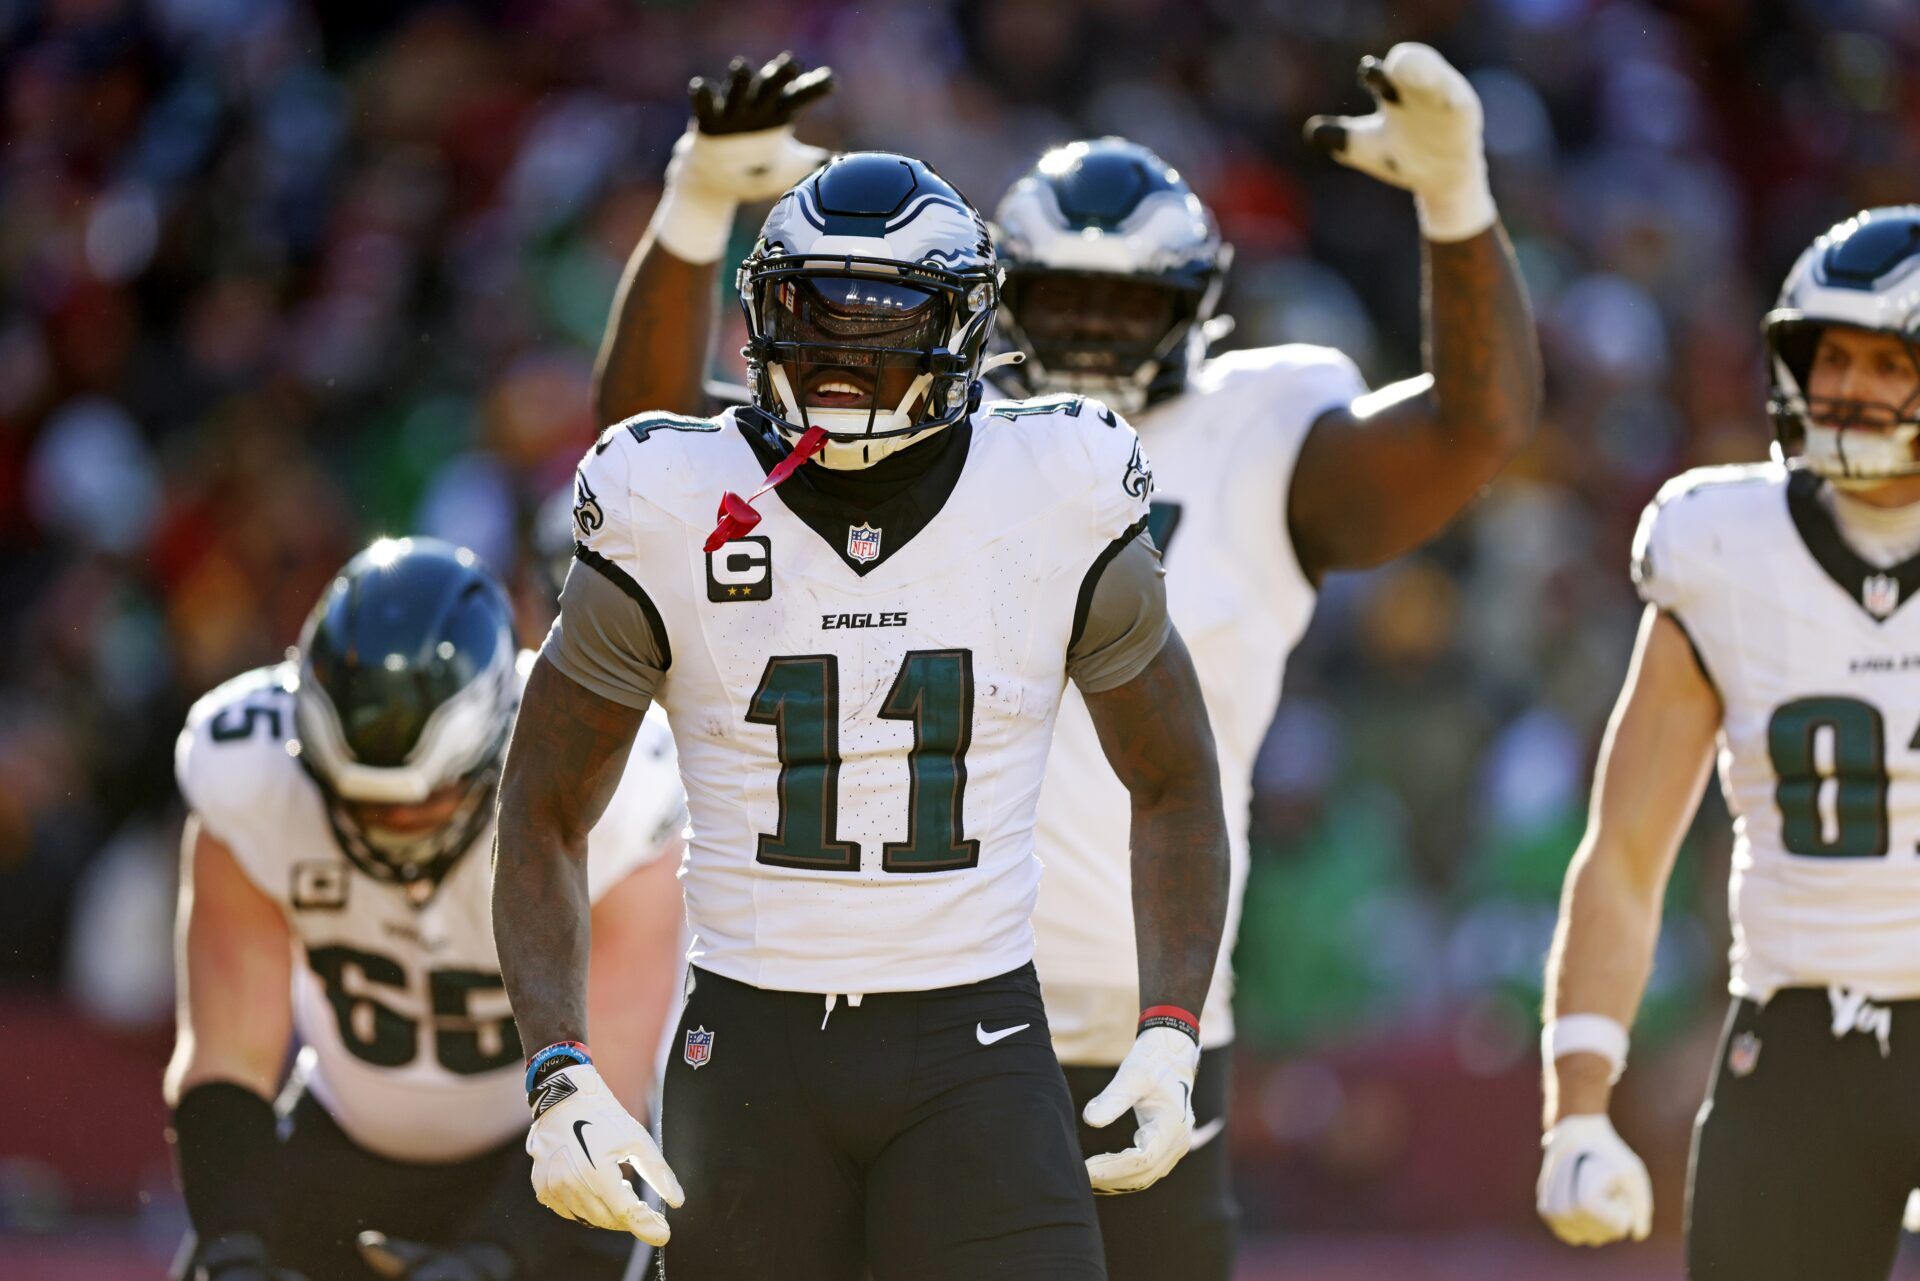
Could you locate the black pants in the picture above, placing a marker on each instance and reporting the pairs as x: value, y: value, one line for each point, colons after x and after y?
x: 1183, y: 1227
x: 912, y: 1138
x: 1806, y: 1147
x: 331, y: 1189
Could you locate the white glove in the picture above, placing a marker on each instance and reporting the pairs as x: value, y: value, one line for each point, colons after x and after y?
x: 1592, y: 1189
x: 739, y: 146
x: 1425, y: 137
x: 1911, y: 1219
x: 581, y: 1136
x: 1156, y: 1081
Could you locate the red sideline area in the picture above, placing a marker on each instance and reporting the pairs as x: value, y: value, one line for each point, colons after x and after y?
x: 82, y: 1128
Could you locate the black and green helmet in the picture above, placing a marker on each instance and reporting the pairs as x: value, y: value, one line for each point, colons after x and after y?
x: 407, y: 688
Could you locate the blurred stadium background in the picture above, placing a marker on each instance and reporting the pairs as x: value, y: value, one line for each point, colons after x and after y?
x: 277, y: 275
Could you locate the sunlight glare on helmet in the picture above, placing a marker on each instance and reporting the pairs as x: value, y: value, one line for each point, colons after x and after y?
x: 385, y: 551
x: 1061, y: 159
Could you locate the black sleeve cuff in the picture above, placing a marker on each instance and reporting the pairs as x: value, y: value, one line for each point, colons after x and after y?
x: 227, y: 1142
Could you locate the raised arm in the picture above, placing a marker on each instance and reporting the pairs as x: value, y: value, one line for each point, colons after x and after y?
x: 234, y: 1021
x: 1653, y: 766
x: 738, y: 147
x: 1381, y: 476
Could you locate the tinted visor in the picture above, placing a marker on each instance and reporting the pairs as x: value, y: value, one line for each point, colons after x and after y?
x: 852, y: 312
x: 1095, y: 324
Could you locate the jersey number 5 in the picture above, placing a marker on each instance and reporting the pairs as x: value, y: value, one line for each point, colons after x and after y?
x: 800, y: 698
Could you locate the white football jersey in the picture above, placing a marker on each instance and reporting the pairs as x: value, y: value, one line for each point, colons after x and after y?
x: 863, y: 711
x: 1223, y: 455
x: 406, y: 1034
x: 1816, y: 657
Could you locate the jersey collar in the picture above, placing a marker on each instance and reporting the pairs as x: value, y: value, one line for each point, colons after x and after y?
x: 1865, y: 583
x: 891, y: 502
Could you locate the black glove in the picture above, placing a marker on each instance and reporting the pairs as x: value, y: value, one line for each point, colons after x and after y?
x: 752, y: 100
x: 400, y: 1260
x: 237, y: 1256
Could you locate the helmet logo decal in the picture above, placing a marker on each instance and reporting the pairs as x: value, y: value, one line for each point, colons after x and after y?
x: 863, y: 543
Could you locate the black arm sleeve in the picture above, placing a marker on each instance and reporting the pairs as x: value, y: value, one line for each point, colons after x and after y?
x: 227, y: 1142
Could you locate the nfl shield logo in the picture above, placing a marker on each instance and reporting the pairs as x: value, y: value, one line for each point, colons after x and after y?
x: 1880, y: 594
x: 699, y: 1047
x: 1743, y: 1056
x: 863, y: 543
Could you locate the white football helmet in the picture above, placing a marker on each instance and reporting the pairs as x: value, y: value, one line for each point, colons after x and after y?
x: 1114, y: 268
x: 872, y: 263
x: 1862, y: 274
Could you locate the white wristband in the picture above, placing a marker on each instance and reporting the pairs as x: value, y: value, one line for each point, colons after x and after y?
x: 1460, y: 213
x: 1585, y: 1034
x: 693, y: 223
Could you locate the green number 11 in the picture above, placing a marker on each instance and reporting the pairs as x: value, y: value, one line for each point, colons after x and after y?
x: 800, y: 698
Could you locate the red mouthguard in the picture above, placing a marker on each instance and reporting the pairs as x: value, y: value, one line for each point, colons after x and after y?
x: 737, y: 515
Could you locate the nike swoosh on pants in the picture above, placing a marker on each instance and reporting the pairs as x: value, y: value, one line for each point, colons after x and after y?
x: 988, y: 1038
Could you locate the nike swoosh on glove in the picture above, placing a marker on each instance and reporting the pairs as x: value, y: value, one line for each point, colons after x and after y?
x: 1155, y: 1080
x: 738, y: 147
x: 1425, y: 136
x: 1593, y: 1189
x: 581, y: 1137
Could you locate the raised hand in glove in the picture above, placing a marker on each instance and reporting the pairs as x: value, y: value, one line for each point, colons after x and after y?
x: 739, y: 146
x: 1592, y: 1188
x: 1155, y: 1081
x: 399, y: 1260
x: 1425, y: 136
x: 236, y: 1256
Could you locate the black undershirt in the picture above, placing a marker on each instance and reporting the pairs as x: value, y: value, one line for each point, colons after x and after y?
x: 900, y: 494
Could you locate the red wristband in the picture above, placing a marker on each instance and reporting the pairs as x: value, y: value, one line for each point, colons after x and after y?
x: 1170, y: 1016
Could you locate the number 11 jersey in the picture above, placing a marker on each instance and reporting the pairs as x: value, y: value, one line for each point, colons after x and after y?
x: 1815, y: 654
x: 863, y: 692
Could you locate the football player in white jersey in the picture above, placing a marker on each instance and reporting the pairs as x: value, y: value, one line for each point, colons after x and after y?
x: 862, y: 677
x: 1780, y: 634
x: 336, y: 889
x: 1273, y: 466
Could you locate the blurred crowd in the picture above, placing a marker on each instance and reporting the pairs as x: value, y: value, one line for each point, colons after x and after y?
x: 278, y: 275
